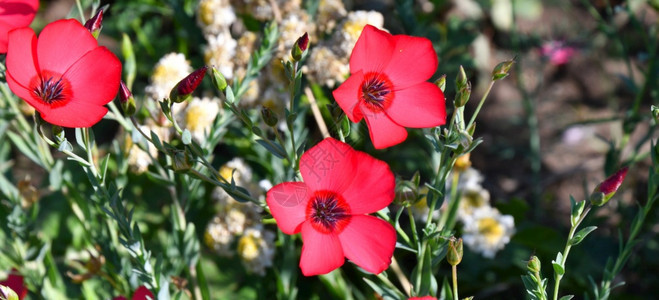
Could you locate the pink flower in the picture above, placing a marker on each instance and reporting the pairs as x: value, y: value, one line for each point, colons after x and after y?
x: 63, y: 74
x: 557, y: 52
x: 387, y: 86
x: 15, y: 14
x: 15, y: 283
x: 341, y: 186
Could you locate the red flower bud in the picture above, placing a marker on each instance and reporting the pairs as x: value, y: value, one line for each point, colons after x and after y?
x: 611, y: 184
x: 127, y: 100
x: 300, y: 47
x: 605, y: 190
x: 15, y: 282
x: 94, y: 24
x: 124, y: 92
x: 189, y: 84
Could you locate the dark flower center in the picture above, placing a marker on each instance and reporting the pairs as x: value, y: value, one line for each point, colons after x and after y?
x: 377, y: 91
x: 328, y: 212
x: 50, y: 90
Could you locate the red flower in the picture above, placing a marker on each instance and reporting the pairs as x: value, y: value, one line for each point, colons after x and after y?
x: 15, y: 282
x: 423, y: 298
x: 15, y: 14
x: 140, y: 294
x: 387, y: 86
x: 340, y: 187
x: 63, y: 74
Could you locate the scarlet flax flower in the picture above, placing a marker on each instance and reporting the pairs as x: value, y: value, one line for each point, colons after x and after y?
x: 15, y: 14
x: 387, y: 86
x: 341, y: 186
x: 142, y: 293
x: 63, y: 74
x: 15, y: 283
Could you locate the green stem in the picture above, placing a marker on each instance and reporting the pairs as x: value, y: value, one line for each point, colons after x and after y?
x: 291, y: 110
x: 568, y: 246
x: 82, y: 14
x: 480, y: 104
x: 413, y: 226
x: 454, y: 271
x: 118, y: 116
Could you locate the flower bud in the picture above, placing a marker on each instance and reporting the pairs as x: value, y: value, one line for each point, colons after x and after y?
x: 605, y: 190
x: 655, y: 114
x: 269, y: 117
x: 184, y: 88
x: 182, y: 161
x: 441, y: 83
x: 13, y: 288
x: 126, y: 99
x: 95, y: 23
x: 300, y: 47
x: 533, y: 265
x: 462, y: 163
x: 461, y: 80
x: 218, y: 79
x: 454, y: 254
x: 463, y: 95
x: 502, y: 70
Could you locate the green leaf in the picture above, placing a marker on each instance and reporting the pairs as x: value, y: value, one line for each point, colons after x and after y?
x: 273, y: 147
x: 104, y: 166
x: 23, y: 147
x: 384, y: 291
x: 186, y: 137
x: 229, y: 94
x: 55, y: 176
x: 558, y: 264
x: 65, y: 146
x: 566, y: 297
x: 129, y: 65
x: 156, y: 141
x: 80, y: 140
x: 579, y: 236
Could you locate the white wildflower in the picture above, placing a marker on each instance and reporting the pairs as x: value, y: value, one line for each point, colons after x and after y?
x: 220, y: 51
x: 169, y: 70
x: 218, y: 237
x: 325, y: 67
x: 488, y: 231
x: 199, y: 115
x: 215, y: 16
x: 256, y: 249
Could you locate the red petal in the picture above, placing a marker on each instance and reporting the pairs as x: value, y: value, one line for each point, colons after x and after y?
x: 95, y: 77
x: 18, y: 13
x: 75, y: 114
x: 369, y: 242
x: 288, y: 203
x: 62, y: 43
x: 372, y: 51
x: 384, y: 132
x: 346, y: 95
x: 419, y: 106
x: 413, y: 60
x: 328, y: 166
x: 370, y: 179
x: 4, y: 32
x: 26, y: 95
x: 141, y: 294
x: 321, y: 253
x: 20, y: 56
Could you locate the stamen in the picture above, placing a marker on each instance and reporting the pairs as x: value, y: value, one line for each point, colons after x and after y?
x: 377, y: 91
x: 328, y: 212
x: 49, y: 90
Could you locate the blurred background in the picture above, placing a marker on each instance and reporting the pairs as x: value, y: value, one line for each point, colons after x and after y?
x: 575, y: 108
